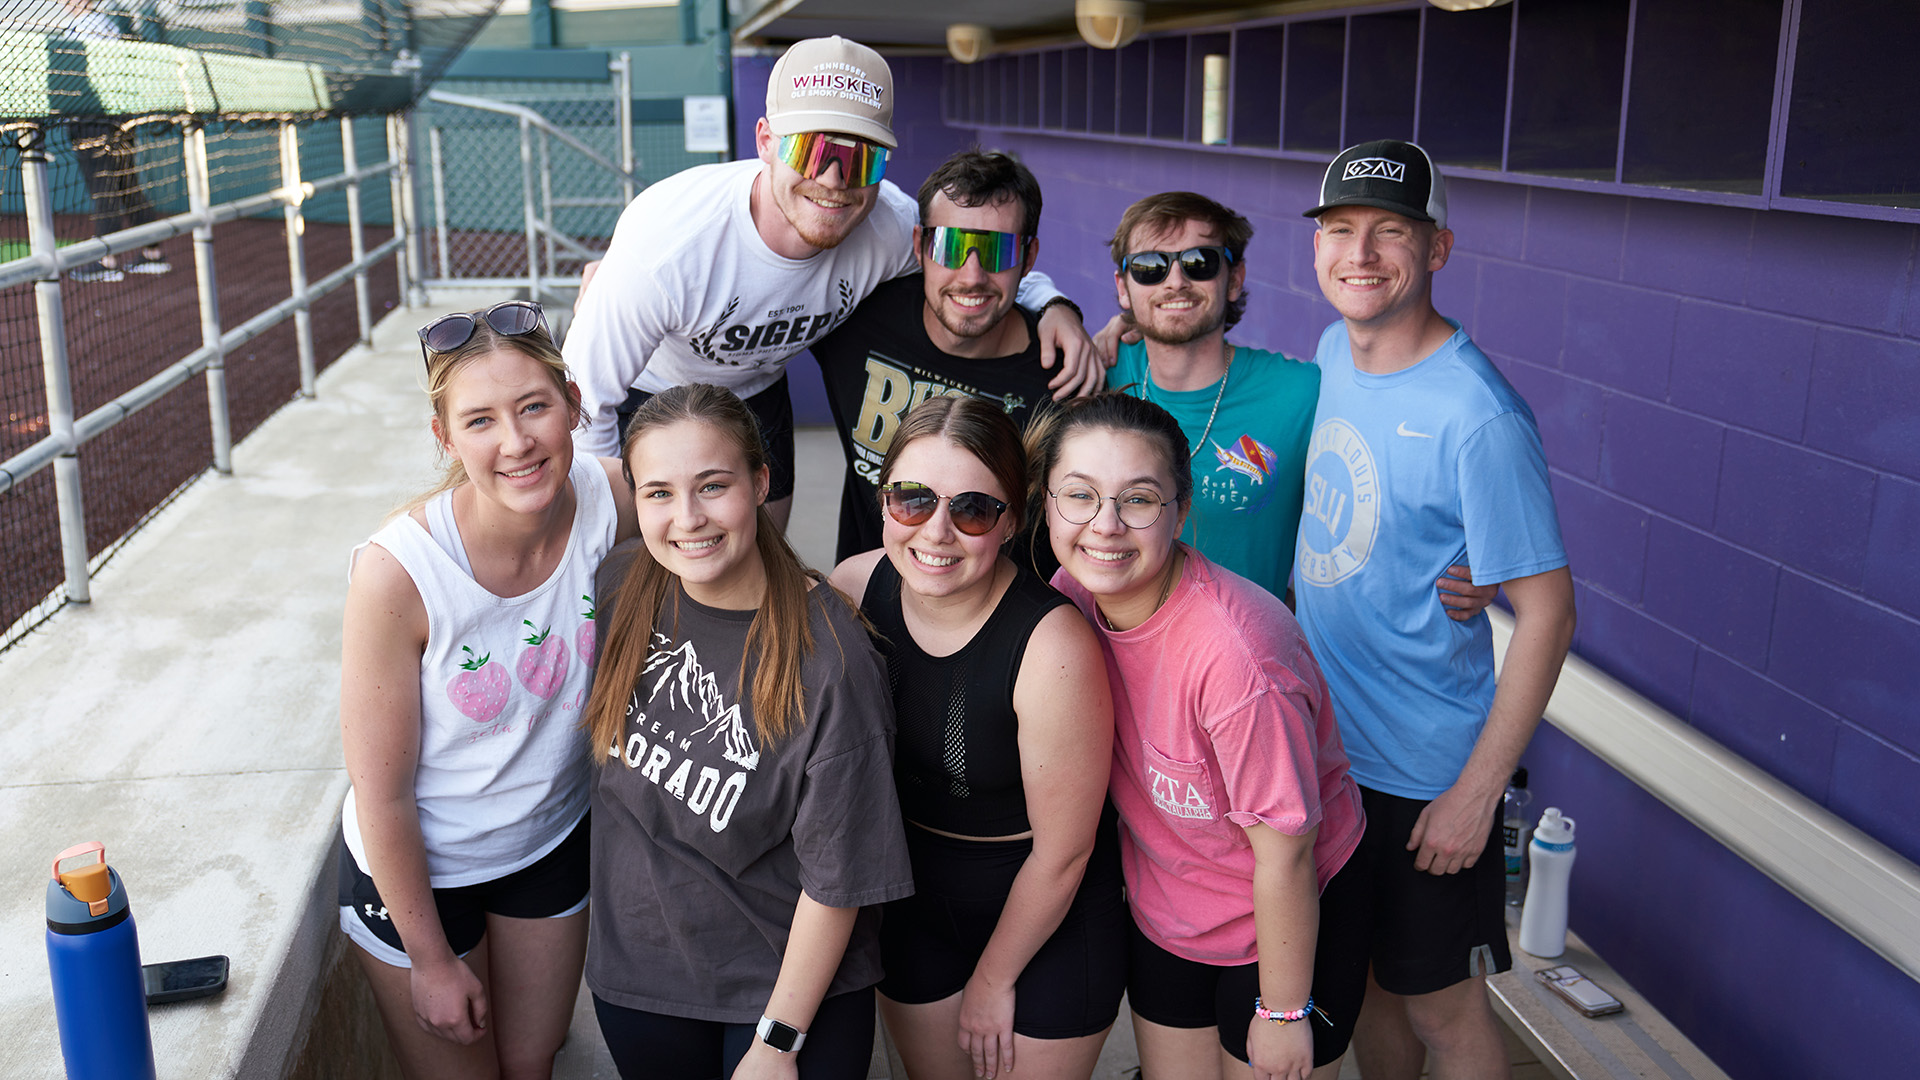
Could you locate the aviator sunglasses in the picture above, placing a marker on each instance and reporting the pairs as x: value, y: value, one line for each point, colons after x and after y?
x: 910, y: 503
x: 998, y: 251
x: 1197, y: 263
x: 810, y: 152
x: 509, y: 318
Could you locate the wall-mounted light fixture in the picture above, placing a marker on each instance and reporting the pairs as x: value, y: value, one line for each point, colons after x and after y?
x: 968, y: 42
x: 1109, y: 24
x: 1466, y: 5
x: 1213, y: 99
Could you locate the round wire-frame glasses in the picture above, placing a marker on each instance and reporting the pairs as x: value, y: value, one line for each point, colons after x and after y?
x: 1138, y: 507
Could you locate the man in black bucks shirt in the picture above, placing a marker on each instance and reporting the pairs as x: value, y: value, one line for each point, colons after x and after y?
x: 951, y: 329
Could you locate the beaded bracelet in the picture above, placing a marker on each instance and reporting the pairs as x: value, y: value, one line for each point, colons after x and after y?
x: 1264, y: 1013
x: 1062, y: 301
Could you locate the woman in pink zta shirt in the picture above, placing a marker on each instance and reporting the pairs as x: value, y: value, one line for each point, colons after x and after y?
x: 1236, y: 810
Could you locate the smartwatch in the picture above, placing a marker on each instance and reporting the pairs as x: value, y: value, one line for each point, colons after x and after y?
x: 782, y: 1037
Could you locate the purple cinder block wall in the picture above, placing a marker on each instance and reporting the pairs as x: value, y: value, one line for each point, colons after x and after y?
x: 1730, y: 401
x: 925, y: 141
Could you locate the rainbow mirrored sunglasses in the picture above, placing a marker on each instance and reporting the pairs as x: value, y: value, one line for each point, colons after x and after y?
x: 810, y: 152
x: 998, y: 251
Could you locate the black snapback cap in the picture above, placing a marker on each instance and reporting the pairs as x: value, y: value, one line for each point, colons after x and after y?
x: 1388, y: 174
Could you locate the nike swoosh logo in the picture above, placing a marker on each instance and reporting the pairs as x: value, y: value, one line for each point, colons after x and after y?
x: 1404, y: 430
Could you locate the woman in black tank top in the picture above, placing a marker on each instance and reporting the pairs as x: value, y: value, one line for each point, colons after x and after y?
x: 1011, y: 953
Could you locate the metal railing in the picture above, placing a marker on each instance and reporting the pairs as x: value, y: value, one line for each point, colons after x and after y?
x: 47, y: 262
x: 552, y: 253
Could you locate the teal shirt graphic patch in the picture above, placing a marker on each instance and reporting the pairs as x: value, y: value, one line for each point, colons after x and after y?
x: 1247, y: 470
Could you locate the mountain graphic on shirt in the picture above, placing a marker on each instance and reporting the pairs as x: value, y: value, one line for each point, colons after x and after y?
x: 692, y: 687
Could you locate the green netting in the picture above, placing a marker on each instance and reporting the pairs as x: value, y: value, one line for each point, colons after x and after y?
x: 99, y: 77
x: 86, y: 59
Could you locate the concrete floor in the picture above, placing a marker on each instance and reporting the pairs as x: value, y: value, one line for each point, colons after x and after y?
x: 585, y: 1056
x: 188, y: 717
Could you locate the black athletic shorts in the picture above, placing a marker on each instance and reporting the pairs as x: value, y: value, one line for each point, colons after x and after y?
x: 556, y: 885
x: 1179, y: 993
x: 1428, y: 931
x: 655, y: 1046
x: 773, y: 407
x: 930, y: 941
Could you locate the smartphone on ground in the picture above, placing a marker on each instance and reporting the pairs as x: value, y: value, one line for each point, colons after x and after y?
x: 183, y: 980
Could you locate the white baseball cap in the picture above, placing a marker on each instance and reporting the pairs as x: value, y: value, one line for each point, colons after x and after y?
x: 832, y: 84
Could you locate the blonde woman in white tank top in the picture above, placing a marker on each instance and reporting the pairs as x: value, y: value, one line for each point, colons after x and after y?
x: 467, y: 655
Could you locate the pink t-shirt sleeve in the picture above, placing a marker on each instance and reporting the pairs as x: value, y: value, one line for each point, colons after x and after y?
x: 1269, y: 762
x: 1221, y: 721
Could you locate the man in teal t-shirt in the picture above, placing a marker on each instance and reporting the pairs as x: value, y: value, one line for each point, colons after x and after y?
x: 1247, y: 413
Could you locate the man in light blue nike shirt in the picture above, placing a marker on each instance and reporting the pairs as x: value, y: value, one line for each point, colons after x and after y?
x: 1421, y: 452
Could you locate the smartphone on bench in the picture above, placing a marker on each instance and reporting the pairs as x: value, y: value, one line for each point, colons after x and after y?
x: 1579, y: 991
x: 183, y: 980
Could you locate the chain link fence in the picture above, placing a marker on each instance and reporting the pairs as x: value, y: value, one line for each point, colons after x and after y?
x: 99, y: 58
x: 475, y: 207
x: 178, y: 245
x: 129, y: 324
x: 180, y: 186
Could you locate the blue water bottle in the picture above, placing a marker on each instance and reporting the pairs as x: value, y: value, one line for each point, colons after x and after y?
x: 99, y: 995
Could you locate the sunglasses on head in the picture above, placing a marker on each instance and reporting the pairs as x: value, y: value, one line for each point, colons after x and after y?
x: 1196, y: 263
x: 909, y: 503
x: 810, y: 152
x: 998, y: 251
x: 509, y: 318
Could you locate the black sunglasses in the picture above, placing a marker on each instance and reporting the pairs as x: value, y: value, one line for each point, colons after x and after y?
x: 509, y: 318
x: 1197, y: 263
x: 910, y: 503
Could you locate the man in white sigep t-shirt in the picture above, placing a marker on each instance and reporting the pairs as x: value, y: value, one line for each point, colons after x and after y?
x: 722, y: 273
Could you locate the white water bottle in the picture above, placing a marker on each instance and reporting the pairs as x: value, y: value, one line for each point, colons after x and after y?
x: 1543, y: 921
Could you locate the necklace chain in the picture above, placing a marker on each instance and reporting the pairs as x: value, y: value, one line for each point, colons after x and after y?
x: 1194, y: 450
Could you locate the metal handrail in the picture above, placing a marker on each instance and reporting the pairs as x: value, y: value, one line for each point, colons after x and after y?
x: 545, y: 243
x: 556, y: 236
x: 28, y: 268
x: 43, y: 452
x: 97, y: 422
x: 47, y: 262
x: 526, y: 115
